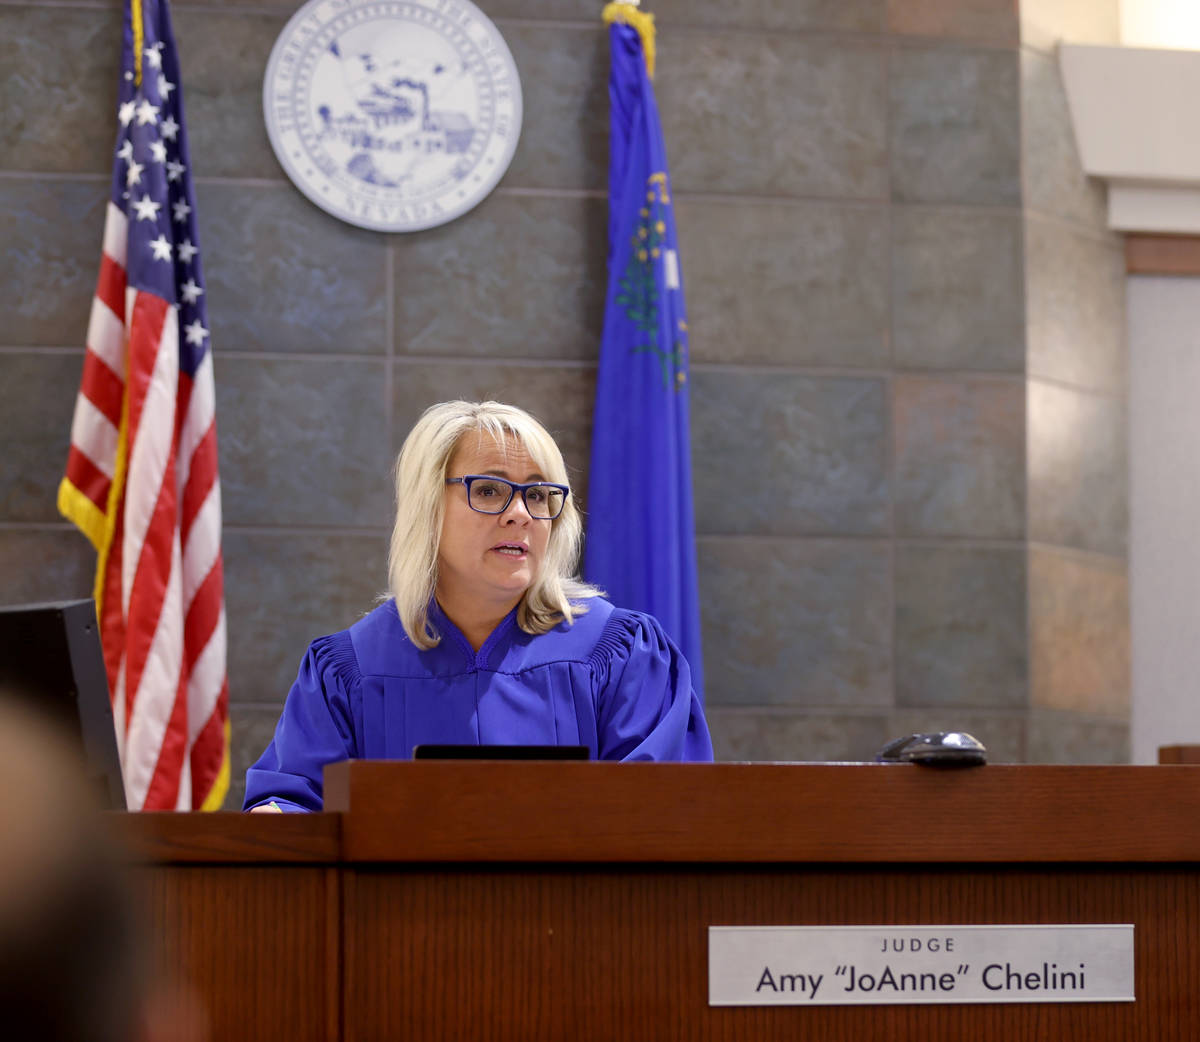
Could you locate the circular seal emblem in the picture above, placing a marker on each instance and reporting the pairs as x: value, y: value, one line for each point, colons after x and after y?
x: 394, y: 115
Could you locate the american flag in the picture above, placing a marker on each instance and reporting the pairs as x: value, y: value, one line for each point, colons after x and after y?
x: 141, y: 479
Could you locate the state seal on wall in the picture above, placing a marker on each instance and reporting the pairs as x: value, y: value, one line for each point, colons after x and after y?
x: 394, y: 115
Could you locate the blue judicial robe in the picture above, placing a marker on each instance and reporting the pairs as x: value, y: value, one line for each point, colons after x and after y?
x: 612, y: 681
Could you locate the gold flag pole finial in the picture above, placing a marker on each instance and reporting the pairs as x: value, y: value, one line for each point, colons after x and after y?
x: 139, y: 38
x: 626, y: 12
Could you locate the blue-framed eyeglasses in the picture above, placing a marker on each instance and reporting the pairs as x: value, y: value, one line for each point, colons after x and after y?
x: 491, y: 495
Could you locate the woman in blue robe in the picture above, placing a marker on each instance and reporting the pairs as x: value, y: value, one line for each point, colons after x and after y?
x: 487, y: 639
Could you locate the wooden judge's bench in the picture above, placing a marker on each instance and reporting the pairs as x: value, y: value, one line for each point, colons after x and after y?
x: 490, y: 900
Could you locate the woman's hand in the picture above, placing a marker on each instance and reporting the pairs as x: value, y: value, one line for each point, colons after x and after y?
x: 266, y: 808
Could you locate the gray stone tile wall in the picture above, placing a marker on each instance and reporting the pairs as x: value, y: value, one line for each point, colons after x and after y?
x: 548, y: 309
x: 796, y: 622
x: 820, y: 277
x: 59, y: 89
x: 44, y: 563
x: 958, y: 289
x: 50, y: 231
x: 775, y: 114
x: 849, y: 15
x: 864, y: 284
x: 994, y: 21
x: 285, y: 277
x: 564, y: 129
x: 1078, y: 456
x: 954, y: 126
x: 37, y: 422
x: 783, y: 453
x: 284, y: 588
x: 1057, y: 737
x: 1079, y: 633
x: 1075, y: 299
x: 1078, y: 469
x: 788, y: 734
x: 959, y: 448
x: 1054, y: 182
x: 222, y: 57
x: 303, y: 441
x: 961, y: 627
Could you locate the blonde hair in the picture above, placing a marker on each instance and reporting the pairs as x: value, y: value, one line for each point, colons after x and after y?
x: 421, y: 467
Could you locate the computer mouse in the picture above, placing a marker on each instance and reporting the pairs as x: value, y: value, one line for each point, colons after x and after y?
x: 935, y: 749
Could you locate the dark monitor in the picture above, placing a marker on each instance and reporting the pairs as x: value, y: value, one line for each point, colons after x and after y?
x: 50, y: 656
x: 500, y: 752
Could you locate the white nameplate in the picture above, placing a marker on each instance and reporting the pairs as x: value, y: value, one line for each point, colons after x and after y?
x: 890, y: 965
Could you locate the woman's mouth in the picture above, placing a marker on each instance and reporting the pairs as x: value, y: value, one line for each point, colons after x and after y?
x: 511, y: 549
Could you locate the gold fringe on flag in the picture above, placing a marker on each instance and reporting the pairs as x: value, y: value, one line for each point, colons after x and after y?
x: 624, y: 12
x: 215, y: 799
x: 139, y: 38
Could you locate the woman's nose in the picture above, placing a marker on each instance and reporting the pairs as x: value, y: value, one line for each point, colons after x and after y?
x: 516, y: 511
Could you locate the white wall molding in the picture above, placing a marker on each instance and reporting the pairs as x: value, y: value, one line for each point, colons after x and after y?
x: 1134, y: 114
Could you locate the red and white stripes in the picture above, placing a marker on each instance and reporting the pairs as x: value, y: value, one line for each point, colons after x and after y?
x: 142, y: 483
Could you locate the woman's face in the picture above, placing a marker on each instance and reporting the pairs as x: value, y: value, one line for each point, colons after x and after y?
x: 489, y: 558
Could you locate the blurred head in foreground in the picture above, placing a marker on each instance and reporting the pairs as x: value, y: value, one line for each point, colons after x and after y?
x: 71, y: 965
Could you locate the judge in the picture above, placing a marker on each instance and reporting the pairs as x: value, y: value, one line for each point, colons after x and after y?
x: 486, y: 638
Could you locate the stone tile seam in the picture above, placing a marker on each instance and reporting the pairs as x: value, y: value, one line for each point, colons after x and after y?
x: 864, y: 711
x: 517, y: 192
x: 54, y: 175
x: 1027, y: 505
x: 881, y: 542
x: 889, y: 409
x: 235, y: 528
x: 409, y: 361
x: 865, y: 203
x: 1040, y: 51
x: 354, y: 531
x: 1115, y: 565
x: 889, y: 403
x: 85, y: 5
x: 960, y: 209
x: 389, y: 327
x: 866, y: 39
x: 810, y: 710
x: 1042, y: 712
x: 223, y: 355
x: 866, y: 372
x: 1112, y: 240
x: 978, y: 375
x: 890, y: 462
x: 1022, y: 171
x: 1023, y: 175
x: 534, y: 192
x: 1111, y: 561
x: 1113, y: 394
x: 687, y: 195
x: 230, y: 355
x: 963, y: 542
